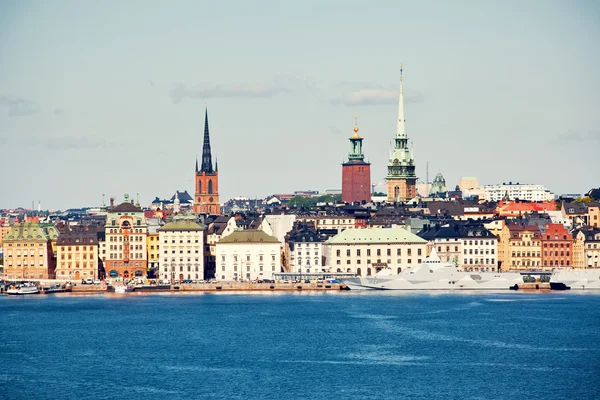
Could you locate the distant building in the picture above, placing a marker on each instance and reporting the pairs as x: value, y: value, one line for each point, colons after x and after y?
x: 125, y: 242
x: 182, y: 250
x: 364, y: 252
x: 520, y: 247
x: 356, y: 173
x: 467, y: 183
x: 438, y: 187
x: 303, y: 250
x: 401, y: 177
x: 77, y: 254
x: 207, y: 179
x: 510, y: 191
x: 28, y: 252
x: 557, y: 245
x: 248, y: 255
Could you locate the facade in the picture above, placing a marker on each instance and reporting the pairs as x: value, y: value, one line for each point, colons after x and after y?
x: 248, y: 255
x: 520, y: 247
x: 280, y: 224
x: 557, y: 245
x: 153, y: 243
x: 181, y: 251
x: 510, y: 191
x: 401, y: 177
x: 471, y: 246
x: 216, y: 229
x: 303, y: 250
x: 593, y: 214
x: 28, y: 251
x: 467, y: 182
x: 586, y: 248
x: 125, y: 241
x: 206, y: 200
x: 364, y: 252
x: 356, y: 173
x: 77, y: 254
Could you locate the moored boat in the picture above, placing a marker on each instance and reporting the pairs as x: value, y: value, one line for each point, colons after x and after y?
x: 575, y: 279
x: 124, y: 289
x: 433, y: 274
x: 23, y: 289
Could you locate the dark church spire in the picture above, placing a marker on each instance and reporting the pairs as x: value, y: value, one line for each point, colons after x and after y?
x: 206, y: 154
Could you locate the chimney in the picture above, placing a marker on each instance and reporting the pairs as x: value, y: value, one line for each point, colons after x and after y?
x: 131, y: 201
x: 112, y: 201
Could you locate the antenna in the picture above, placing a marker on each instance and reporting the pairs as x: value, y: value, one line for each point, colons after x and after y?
x: 427, y: 172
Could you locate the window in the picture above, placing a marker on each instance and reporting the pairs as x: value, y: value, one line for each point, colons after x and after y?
x: 368, y: 252
x: 357, y: 252
x: 338, y: 252
x: 347, y: 252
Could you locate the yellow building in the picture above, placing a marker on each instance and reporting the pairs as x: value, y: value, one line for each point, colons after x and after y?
x: 4, y: 228
x: 153, y: 250
x: 77, y: 254
x: 28, y: 251
x: 520, y: 247
x: 593, y: 215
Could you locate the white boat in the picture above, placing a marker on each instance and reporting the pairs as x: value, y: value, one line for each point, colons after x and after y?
x: 124, y: 289
x: 576, y: 279
x: 433, y: 274
x: 22, y: 289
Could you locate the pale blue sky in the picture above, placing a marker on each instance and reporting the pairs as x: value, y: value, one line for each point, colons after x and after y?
x: 108, y: 97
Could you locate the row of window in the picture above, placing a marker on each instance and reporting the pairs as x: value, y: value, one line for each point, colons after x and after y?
x: 308, y: 245
x: 478, y: 261
x: 235, y: 257
x: 77, y: 265
x: 180, y: 241
x: 41, y: 264
x: 70, y: 256
x: 557, y: 245
x: 388, y: 252
x: 120, y: 255
x: 557, y: 263
x: 261, y: 268
x: 555, y: 253
x: 389, y: 261
x: 121, y: 264
x: 529, y: 244
x: 181, y: 268
x: 181, y: 251
x: 476, y: 251
x: 526, y: 254
x: 25, y: 244
x: 18, y: 253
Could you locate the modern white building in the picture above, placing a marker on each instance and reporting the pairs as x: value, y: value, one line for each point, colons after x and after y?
x: 366, y: 251
x: 247, y: 255
x: 528, y: 192
x: 280, y: 224
x: 181, y: 250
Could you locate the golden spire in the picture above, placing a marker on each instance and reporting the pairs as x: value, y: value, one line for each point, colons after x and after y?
x: 356, y: 117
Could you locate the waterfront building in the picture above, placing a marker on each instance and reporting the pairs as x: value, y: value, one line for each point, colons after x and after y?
x: 557, y: 245
x: 586, y: 247
x: 77, y: 253
x: 125, y: 243
x: 207, y: 179
x: 28, y: 252
x: 471, y: 246
x: 467, y: 183
x: 401, y: 177
x: 248, y: 255
x: 356, y: 173
x: 153, y: 242
x: 366, y: 251
x: 181, y: 250
x: 520, y: 247
x: 303, y: 250
x: 4, y: 228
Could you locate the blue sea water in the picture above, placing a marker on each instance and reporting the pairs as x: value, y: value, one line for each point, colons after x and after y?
x: 382, y: 345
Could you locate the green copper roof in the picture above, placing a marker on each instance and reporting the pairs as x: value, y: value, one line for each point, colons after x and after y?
x: 181, y: 225
x: 375, y: 236
x: 249, y: 236
x: 32, y: 231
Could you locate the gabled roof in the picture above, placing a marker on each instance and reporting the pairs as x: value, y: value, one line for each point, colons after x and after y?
x: 374, y: 236
x: 249, y: 236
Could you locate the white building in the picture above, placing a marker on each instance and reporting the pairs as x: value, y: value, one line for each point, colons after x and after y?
x: 304, y: 252
x: 181, y: 250
x: 528, y: 192
x: 365, y: 251
x: 247, y: 255
x: 280, y: 224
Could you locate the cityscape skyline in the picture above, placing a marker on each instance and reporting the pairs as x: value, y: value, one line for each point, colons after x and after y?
x: 94, y: 100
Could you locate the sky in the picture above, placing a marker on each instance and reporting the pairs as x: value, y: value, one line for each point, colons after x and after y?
x: 109, y: 97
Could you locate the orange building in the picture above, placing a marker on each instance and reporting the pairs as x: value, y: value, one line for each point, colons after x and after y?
x: 557, y: 245
x: 125, y: 242
x: 516, y: 209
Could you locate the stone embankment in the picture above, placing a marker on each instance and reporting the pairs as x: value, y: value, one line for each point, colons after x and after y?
x: 221, y: 287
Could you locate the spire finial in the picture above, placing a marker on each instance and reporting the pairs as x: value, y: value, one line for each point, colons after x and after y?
x: 356, y: 117
x: 401, y: 133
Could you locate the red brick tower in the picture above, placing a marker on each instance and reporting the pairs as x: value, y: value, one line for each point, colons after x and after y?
x: 206, y: 200
x: 356, y: 173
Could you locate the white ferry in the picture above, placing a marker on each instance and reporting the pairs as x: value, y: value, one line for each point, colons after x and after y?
x: 433, y: 274
x: 22, y: 289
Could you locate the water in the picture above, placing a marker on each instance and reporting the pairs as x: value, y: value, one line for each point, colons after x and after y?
x: 288, y: 346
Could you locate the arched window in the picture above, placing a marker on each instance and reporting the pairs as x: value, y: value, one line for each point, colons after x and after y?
x: 210, y: 189
x: 368, y: 271
x: 399, y: 269
x: 358, y: 272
